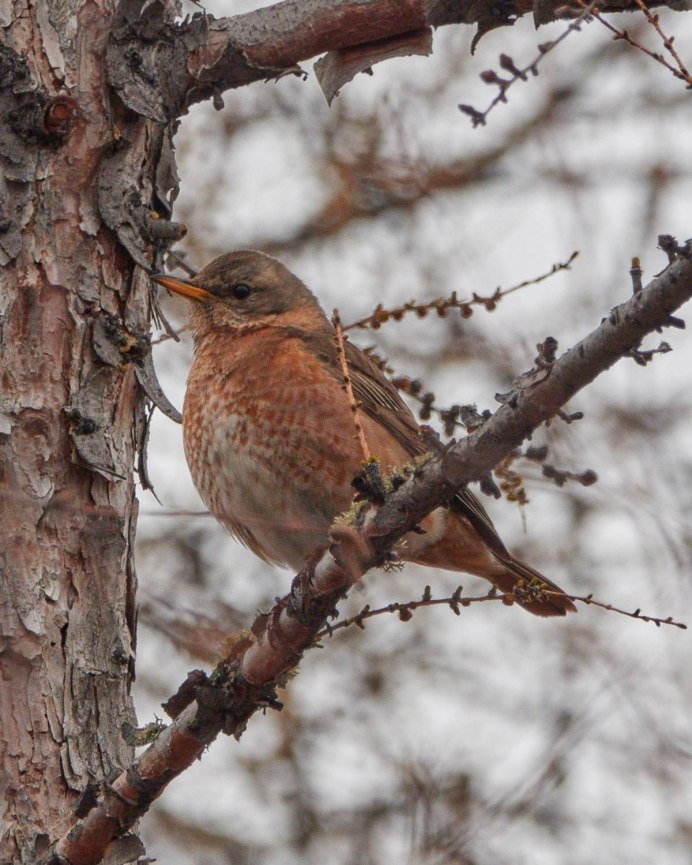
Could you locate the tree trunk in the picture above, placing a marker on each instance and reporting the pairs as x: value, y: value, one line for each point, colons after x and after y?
x: 71, y: 415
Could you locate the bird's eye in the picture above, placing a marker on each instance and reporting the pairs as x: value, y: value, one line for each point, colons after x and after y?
x: 241, y: 291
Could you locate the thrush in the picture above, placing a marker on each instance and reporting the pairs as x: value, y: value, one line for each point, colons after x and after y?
x: 269, y: 436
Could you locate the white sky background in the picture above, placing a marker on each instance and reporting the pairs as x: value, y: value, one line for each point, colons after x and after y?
x: 572, y: 736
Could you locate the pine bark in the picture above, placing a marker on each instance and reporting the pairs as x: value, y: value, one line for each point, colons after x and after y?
x: 71, y: 416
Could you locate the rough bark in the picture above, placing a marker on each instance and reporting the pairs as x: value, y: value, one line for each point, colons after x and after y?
x: 160, y: 67
x: 71, y: 417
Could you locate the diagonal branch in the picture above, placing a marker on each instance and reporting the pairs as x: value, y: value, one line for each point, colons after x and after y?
x: 258, y: 660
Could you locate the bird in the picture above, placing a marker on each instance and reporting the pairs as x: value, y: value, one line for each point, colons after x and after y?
x: 268, y: 431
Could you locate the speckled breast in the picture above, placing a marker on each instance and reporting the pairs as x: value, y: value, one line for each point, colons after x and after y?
x: 269, y: 442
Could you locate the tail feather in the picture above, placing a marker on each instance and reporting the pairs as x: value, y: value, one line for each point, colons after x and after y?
x: 533, y: 591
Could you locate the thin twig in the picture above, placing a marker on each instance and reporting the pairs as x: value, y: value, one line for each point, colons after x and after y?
x: 478, y: 118
x: 178, y: 260
x: 455, y: 601
x: 441, y: 305
x: 667, y: 40
x: 166, y: 336
x: 681, y: 73
x: 353, y: 403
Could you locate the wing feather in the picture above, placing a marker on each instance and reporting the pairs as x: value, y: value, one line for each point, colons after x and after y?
x: 381, y: 401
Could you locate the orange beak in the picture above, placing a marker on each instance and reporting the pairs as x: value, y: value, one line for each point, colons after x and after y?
x: 182, y: 286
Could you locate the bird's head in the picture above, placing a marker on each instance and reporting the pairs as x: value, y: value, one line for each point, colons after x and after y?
x: 245, y: 289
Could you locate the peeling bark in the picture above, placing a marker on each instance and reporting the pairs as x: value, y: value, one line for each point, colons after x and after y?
x: 70, y: 423
x: 337, y: 68
x: 160, y: 67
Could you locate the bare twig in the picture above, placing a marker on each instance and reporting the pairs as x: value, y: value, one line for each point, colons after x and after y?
x: 479, y: 118
x: 636, y: 614
x: 667, y: 41
x: 680, y: 72
x: 166, y: 336
x: 441, y: 305
x: 177, y: 259
x: 347, y: 386
x: 455, y: 601
x: 636, y: 274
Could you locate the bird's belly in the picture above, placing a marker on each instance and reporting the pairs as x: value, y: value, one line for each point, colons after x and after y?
x: 268, y: 482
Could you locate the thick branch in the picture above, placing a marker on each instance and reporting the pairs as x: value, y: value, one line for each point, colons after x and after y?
x: 160, y: 67
x: 259, y: 660
x: 537, y: 401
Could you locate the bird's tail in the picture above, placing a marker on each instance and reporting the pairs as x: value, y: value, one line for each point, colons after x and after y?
x: 533, y: 591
